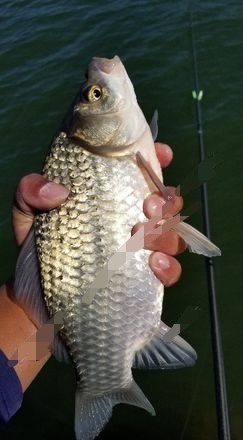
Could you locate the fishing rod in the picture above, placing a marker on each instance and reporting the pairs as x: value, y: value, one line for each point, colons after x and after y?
x: 218, y: 361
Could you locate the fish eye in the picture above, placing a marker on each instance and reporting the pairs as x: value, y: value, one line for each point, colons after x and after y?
x: 92, y: 93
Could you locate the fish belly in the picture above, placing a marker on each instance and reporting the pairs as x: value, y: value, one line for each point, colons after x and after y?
x: 74, y: 242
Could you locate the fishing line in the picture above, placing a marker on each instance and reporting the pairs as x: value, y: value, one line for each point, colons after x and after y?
x: 218, y: 361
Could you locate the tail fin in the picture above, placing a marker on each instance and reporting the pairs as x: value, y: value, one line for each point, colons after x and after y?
x: 93, y: 412
x: 91, y: 415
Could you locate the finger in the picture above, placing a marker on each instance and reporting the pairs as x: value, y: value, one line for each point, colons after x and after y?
x: 153, y: 204
x: 169, y: 242
x: 166, y: 268
x: 34, y: 193
x: 164, y: 154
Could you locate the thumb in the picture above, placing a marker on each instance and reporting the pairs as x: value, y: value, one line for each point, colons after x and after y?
x: 34, y: 193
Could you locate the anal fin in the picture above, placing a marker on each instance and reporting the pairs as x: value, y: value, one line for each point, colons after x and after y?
x: 160, y: 354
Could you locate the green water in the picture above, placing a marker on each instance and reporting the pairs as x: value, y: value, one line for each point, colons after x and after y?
x: 45, y: 47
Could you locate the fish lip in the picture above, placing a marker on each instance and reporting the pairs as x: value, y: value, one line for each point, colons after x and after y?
x: 108, y: 112
x: 104, y: 65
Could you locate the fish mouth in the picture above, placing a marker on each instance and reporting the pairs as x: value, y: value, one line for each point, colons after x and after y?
x: 104, y: 65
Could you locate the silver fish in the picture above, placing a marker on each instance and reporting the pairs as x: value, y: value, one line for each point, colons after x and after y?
x: 94, y: 155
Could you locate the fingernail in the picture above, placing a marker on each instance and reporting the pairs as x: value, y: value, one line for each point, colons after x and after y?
x: 154, y: 206
x: 161, y: 261
x: 54, y: 191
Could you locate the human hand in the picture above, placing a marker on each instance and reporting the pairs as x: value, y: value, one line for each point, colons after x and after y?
x: 34, y: 193
x: 162, y: 262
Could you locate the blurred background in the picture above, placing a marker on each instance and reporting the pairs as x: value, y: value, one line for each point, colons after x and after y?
x: 45, y: 47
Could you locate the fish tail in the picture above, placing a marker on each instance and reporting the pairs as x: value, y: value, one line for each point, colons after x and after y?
x: 93, y: 412
x: 91, y: 415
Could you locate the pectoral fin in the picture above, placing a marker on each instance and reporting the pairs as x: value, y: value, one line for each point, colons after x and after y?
x: 160, y: 354
x: 27, y: 285
x: 197, y: 242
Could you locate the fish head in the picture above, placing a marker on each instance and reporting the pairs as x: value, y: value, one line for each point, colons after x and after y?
x: 101, y: 115
x: 108, y: 88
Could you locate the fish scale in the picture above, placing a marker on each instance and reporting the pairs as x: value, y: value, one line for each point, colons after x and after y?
x: 103, y: 337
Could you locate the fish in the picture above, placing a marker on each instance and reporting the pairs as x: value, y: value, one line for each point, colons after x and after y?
x: 94, y: 154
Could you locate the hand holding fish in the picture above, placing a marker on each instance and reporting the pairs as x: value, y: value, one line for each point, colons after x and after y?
x: 35, y: 193
x: 168, y: 244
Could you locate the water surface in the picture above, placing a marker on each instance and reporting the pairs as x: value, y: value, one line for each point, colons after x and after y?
x: 45, y: 47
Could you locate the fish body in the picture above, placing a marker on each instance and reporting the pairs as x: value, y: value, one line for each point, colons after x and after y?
x: 94, y: 155
x: 75, y: 241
